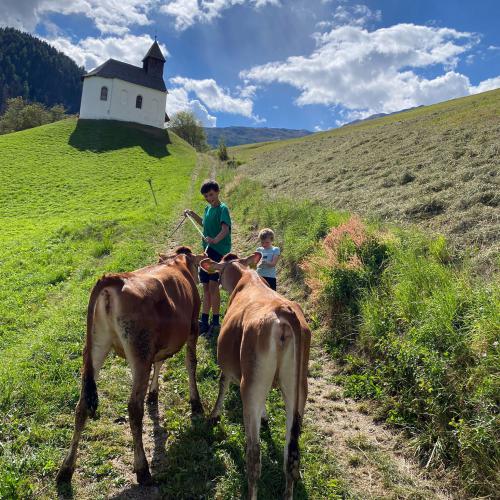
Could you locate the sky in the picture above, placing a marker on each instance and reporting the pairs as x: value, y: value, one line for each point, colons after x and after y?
x: 302, y: 64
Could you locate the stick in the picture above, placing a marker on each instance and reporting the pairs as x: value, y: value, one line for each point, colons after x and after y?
x: 150, y: 182
x: 198, y: 229
x: 177, y: 227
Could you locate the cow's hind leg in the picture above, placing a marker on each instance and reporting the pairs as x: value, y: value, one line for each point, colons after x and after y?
x: 223, y: 387
x: 191, y: 363
x: 255, y: 386
x: 94, y: 356
x: 254, y: 397
x: 153, y: 387
x: 140, y: 379
x: 291, y: 458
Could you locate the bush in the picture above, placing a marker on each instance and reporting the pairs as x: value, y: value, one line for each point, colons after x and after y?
x: 222, y: 150
x: 21, y: 115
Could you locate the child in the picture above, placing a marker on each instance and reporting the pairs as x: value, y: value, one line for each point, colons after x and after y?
x: 216, y: 224
x: 270, y: 256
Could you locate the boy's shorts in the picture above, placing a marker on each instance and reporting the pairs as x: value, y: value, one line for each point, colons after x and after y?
x: 206, y: 277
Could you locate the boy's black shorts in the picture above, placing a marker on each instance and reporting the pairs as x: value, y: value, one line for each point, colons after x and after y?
x: 206, y: 277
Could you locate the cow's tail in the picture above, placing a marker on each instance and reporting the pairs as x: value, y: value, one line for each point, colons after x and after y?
x: 293, y: 462
x: 89, y: 388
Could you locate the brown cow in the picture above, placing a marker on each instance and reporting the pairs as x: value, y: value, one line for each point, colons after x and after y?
x: 146, y: 316
x: 264, y: 341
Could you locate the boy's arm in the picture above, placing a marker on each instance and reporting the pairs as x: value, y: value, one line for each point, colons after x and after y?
x: 194, y: 215
x: 222, y: 234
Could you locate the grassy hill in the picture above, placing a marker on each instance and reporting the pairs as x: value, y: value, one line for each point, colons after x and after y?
x: 235, y: 136
x: 436, y: 166
x: 74, y: 202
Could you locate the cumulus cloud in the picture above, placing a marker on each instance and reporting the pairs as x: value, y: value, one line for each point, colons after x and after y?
x: 178, y: 100
x: 490, y: 84
x: 90, y: 52
x: 374, y: 71
x: 215, y: 98
x: 109, y: 16
x: 189, y: 12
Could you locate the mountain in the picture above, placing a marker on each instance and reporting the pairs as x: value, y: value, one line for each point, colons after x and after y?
x: 36, y: 71
x: 235, y: 136
x: 434, y: 166
x: 380, y: 115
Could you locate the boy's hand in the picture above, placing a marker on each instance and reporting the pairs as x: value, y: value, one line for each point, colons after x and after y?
x: 187, y: 211
x: 209, y: 240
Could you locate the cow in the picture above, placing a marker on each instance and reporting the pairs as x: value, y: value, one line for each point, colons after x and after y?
x: 264, y: 342
x: 146, y: 316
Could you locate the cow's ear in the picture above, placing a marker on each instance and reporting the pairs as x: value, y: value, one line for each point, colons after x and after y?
x: 210, y: 266
x: 253, y: 260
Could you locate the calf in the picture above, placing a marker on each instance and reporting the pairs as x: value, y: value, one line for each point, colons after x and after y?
x: 146, y: 316
x: 264, y: 341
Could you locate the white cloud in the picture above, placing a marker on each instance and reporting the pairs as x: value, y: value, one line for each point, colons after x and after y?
x: 178, y: 100
x: 109, y: 16
x: 373, y: 71
x: 490, y: 84
x: 354, y: 15
x: 217, y: 98
x: 90, y: 52
x: 189, y: 12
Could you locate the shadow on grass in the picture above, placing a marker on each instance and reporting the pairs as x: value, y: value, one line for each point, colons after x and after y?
x: 100, y: 136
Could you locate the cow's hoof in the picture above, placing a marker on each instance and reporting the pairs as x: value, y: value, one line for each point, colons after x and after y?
x: 153, y: 397
x: 196, y: 408
x: 64, y: 475
x: 144, y: 477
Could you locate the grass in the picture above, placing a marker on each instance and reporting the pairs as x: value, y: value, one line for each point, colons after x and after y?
x: 436, y: 167
x: 76, y: 204
x: 410, y: 324
x: 72, y: 207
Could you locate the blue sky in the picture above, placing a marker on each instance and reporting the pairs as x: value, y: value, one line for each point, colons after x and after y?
x: 311, y: 64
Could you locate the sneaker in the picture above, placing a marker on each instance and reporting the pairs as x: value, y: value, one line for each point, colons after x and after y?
x: 204, y: 328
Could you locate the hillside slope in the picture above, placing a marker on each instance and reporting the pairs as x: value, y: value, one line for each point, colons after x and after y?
x: 436, y: 166
x: 74, y: 203
x: 36, y: 71
x: 235, y: 136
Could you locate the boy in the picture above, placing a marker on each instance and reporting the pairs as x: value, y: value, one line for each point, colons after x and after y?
x: 270, y: 255
x: 216, y: 224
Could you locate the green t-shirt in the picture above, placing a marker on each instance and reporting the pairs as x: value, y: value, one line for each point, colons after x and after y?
x: 213, y: 217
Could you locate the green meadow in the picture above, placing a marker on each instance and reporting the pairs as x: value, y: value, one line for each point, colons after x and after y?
x: 74, y: 204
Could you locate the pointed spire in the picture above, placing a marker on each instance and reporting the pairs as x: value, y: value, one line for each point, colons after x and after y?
x: 154, y: 52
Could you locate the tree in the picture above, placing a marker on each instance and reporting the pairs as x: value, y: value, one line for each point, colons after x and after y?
x: 186, y: 125
x: 21, y: 115
x: 222, y: 151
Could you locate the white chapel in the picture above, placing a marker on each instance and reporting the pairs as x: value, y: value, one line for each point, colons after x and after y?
x: 119, y: 91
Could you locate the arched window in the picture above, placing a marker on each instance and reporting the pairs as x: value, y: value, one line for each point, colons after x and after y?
x: 138, y: 102
x: 104, y: 93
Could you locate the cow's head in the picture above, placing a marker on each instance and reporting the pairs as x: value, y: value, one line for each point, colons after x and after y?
x: 192, y: 260
x: 231, y: 268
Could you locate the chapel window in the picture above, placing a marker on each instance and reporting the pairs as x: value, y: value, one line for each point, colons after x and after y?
x: 138, y: 102
x: 104, y: 93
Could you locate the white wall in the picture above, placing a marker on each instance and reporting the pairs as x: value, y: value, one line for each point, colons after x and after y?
x: 121, y: 102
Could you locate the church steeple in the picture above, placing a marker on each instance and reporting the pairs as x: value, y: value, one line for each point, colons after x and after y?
x: 154, y: 61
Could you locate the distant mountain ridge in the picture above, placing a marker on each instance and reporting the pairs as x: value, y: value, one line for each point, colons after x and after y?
x: 380, y: 115
x: 236, y: 136
x: 36, y: 71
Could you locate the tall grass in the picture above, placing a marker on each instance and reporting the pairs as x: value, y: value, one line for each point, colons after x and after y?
x: 409, y: 324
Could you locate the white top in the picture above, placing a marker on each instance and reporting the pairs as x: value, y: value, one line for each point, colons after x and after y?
x: 267, y: 256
